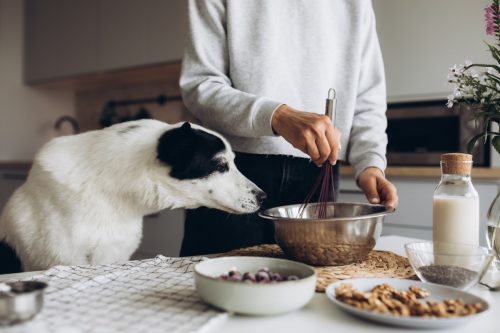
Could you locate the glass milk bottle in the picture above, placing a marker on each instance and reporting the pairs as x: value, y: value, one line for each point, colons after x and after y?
x: 455, y: 208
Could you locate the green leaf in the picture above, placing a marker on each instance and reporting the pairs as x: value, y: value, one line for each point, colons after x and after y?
x: 472, y: 142
x: 494, y: 52
x: 492, y: 77
x: 496, y: 143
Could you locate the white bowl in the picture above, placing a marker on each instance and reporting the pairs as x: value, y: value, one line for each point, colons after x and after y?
x: 254, y: 298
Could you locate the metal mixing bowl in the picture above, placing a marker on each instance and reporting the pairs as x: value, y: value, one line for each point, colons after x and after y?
x: 347, y: 234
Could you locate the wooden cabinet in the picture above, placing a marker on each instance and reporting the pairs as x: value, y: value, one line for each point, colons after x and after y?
x: 78, y: 37
x: 413, y: 217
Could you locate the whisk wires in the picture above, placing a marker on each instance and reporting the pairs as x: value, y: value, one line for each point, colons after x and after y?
x: 326, y: 187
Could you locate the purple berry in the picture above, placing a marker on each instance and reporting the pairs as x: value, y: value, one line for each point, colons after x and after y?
x: 265, y: 270
x: 276, y: 277
x: 263, y: 276
x: 235, y: 278
x: 248, y: 276
x: 234, y: 275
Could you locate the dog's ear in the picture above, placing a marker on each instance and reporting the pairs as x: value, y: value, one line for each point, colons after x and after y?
x: 186, y: 126
x: 173, y: 144
x: 189, y: 152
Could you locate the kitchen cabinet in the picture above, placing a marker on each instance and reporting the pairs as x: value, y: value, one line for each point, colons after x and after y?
x: 10, y: 180
x: 74, y: 38
x: 161, y: 234
x: 60, y: 38
x: 135, y: 32
x: 413, y: 216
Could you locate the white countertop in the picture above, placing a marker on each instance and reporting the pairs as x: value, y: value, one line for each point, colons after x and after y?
x: 320, y: 315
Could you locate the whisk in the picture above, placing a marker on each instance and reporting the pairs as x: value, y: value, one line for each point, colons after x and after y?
x: 325, y: 182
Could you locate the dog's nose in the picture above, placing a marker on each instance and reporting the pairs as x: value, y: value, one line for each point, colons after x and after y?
x: 260, y: 196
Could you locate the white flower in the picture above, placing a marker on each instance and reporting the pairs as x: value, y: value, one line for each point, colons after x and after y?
x: 451, y: 76
x: 468, y: 63
x: 491, y: 71
x: 449, y: 104
x: 473, y: 73
x: 450, y: 97
x: 457, y: 69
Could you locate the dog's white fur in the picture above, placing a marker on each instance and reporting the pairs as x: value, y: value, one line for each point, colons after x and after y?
x: 86, y: 195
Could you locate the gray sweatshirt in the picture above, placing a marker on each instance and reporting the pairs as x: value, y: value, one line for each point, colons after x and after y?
x: 244, y: 58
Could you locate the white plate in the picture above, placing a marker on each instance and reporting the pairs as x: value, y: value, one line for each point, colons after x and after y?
x: 438, y: 293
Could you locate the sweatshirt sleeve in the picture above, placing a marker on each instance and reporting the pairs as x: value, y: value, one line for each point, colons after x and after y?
x: 368, y: 140
x: 205, y: 83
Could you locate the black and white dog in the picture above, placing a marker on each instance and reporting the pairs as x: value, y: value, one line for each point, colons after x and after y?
x: 86, y: 194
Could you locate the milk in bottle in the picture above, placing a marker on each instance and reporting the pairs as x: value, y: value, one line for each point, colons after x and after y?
x: 455, y: 210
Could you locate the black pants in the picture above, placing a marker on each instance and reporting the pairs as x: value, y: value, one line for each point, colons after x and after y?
x: 285, y: 179
x: 9, y: 262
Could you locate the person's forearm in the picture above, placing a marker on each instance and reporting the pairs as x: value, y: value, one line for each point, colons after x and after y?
x: 228, y: 110
x: 368, y: 145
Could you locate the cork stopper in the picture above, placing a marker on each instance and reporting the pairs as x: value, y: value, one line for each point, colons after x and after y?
x: 456, y: 164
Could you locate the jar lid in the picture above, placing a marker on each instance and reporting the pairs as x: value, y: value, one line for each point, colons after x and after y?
x: 456, y: 164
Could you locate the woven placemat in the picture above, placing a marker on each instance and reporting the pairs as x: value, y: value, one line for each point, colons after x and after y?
x: 380, y: 264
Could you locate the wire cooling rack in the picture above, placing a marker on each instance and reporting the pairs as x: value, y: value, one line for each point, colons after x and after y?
x: 152, y: 295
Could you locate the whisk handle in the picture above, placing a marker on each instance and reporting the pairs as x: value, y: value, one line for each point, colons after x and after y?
x: 331, y: 105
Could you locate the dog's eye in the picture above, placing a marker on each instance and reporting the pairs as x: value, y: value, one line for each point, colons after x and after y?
x: 223, y: 167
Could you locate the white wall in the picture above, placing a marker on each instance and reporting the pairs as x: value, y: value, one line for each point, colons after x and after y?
x: 26, y: 114
x: 421, y: 39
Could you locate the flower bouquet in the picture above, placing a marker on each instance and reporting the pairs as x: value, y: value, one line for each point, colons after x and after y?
x: 476, y: 87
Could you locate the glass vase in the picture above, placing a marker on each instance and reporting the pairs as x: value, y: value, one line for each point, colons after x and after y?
x: 493, y: 230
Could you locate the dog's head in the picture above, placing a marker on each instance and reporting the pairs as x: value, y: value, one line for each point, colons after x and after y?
x: 200, y: 164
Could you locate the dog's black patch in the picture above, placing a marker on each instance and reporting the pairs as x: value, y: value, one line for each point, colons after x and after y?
x: 9, y: 262
x: 190, y: 152
x: 128, y: 129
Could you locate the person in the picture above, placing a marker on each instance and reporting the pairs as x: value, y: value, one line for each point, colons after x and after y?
x: 258, y: 72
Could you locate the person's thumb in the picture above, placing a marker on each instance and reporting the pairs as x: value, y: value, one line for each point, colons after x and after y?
x: 369, y: 186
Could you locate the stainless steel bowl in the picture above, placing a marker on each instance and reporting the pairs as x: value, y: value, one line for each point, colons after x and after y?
x: 22, y: 302
x: 347, y: 234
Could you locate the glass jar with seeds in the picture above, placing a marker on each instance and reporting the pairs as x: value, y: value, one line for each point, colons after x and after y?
x: 451, y: 264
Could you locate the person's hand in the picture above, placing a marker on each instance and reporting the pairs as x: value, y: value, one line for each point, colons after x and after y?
x: 378, y: 189
x: 311, y: 133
